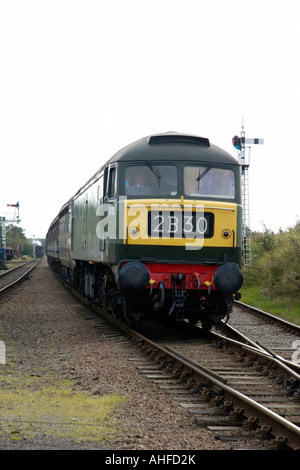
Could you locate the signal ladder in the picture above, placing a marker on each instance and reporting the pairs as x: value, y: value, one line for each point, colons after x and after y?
x: 239, y: 143
x: 246, y: 212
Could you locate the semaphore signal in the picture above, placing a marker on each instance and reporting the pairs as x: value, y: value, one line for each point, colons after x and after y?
x: 240, y: 142
x: 3, y: 231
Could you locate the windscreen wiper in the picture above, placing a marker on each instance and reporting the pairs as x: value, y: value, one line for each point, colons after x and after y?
x: 200, y: 176
x: 154, y: 170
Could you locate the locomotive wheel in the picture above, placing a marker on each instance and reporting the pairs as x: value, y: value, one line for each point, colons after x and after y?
x: 206, y: 324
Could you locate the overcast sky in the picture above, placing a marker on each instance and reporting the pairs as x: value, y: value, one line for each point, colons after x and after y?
x: 81, y: 79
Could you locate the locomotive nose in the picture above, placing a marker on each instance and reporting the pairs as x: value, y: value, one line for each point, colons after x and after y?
x: 134, y: 276
x: 228, y: 278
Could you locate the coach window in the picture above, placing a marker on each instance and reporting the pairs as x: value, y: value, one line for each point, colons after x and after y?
x: 209, y: 181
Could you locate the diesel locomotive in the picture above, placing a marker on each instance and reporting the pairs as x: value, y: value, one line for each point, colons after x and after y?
x: 156, y: 231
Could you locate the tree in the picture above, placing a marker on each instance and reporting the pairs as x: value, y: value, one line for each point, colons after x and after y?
x: 16, y: 236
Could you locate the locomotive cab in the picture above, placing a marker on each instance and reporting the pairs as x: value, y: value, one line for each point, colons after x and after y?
x: 178, y: 210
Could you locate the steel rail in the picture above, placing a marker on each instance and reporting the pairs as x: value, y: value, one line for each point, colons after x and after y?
x: 11, y: 284
x: 277, y: 422
x: 8, y: 271
x: 291, y: 367
x: 267, y: 417
x: 279, y: 427
x: 274, y: 318
x: 250, y: 406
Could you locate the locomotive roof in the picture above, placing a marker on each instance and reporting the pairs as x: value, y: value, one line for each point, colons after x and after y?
x: 173, y: 146
x: 169, y: 146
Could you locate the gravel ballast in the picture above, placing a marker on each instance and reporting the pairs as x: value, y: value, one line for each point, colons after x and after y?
x: 47, y: 339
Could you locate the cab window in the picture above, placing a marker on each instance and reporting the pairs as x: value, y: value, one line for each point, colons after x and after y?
x: 109, y: 183
x: 152, y: 179
x: 209, y: 181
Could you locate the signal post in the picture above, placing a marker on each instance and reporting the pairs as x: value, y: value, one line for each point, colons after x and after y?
x: 240, y: 144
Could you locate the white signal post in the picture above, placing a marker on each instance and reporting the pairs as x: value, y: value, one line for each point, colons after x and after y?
x: 4, y: 222
x: 240, y: 144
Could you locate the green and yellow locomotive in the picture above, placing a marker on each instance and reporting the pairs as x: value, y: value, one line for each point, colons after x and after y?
x: 157, y: 230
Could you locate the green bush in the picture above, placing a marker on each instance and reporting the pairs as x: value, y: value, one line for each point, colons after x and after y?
x: 276, y: 262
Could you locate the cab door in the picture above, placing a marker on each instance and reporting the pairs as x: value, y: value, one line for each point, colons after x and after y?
x: 108, y: 212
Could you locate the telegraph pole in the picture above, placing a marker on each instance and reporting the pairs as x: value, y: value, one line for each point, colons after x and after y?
x: 240, y: 144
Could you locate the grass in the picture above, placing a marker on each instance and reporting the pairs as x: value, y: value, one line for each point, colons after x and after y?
x: 35, y: 400
x: 35, y: 405
x: 283, y: 307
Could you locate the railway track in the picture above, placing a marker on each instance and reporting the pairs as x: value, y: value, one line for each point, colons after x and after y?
x: 11, y: 277
x: 241, y: 393
x: 261, y: 395
x: 266, y: 332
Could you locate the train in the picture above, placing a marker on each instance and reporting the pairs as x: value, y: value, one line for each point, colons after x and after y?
x: 156, y: 232
x: 39, y: 251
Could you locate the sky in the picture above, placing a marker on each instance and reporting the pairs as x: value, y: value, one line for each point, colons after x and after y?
x: 80, y: 80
